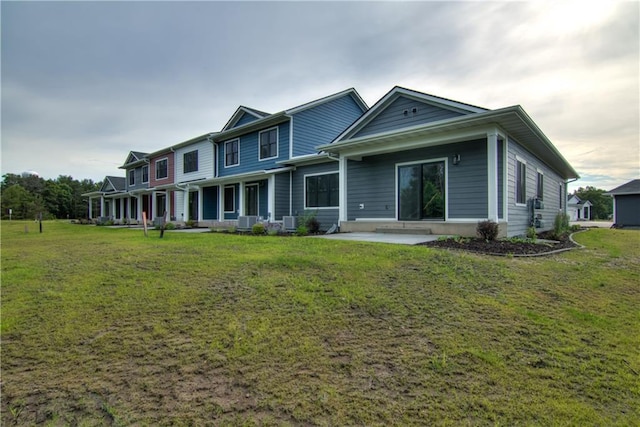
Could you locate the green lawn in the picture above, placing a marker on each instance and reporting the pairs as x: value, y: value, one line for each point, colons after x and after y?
x: 104, y: 326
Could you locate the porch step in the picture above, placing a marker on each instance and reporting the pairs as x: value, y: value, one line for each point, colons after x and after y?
x: 399, y: 230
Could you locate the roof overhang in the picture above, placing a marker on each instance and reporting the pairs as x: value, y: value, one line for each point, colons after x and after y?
x: 253, y: 126
x: 310, y: 159
x: 514, y: 121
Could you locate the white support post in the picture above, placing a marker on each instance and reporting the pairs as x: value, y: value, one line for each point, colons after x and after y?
x: 221, y: 202
x: 271, y: 198
x: 154, y: 205
x: 90, y: 207
x: 342, y: 185
x: 102, y: 205
x: 122, y: 201
x: 492, y: 176
x: 185, y: 205
x: 139, y: 210
x: 200, y: 205
x: 241, y: 199
x: 167, y: 204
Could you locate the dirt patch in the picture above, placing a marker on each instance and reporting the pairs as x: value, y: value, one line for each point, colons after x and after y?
x: 545, y: 244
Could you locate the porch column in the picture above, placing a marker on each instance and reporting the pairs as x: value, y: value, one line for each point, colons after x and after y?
x: 154, y: 204
x: 122, y: 200
x: 139, y: 209
x: 167, y: 204
x: 90, y: 206
x: 241, y: 199
x: 185, y: 205
x: 271, y: 198
x: 342, y: 189
x: 112, y: 209
x: 102, y: 205
x: 200, y: 204
x: 220, y: 202
x: 492, y: 176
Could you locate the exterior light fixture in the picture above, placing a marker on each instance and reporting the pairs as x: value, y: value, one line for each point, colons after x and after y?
x: 455, y: 159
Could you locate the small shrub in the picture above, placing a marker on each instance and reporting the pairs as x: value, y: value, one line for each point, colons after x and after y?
x: 575, y: 227
x: 170, y: 226
x: 258, y: 228
x: 560, y: 225
x: 232, y: 229
x: 273, y: 232
x: 302, y: 230
x: 190, y: 223
x: 310, y: 221
x: 531, y: 233
x: 487, y: 230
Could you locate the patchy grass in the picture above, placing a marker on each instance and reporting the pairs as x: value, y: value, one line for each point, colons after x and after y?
x: 103, y: 326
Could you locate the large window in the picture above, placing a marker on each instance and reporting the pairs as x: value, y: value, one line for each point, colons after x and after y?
x: 540, y: 186
x: 521, y: 182
x: 145, y: 174
x: 162, y: 171
x: 269, y: 144
x: 230, y: 199
x: 132, y: 177
x: 421, y: 191
x: 231, y: 157
x: 190, y: 161
x: 322, y: 191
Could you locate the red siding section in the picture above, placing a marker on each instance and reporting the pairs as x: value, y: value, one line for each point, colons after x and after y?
x: 171, y: 174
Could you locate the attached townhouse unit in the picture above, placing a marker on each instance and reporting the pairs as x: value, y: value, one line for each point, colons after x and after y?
x: 412, y: 161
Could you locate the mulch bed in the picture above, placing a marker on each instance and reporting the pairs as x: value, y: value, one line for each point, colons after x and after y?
x: 506, y: 247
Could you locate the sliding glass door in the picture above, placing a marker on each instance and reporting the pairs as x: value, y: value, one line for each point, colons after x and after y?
x: 421, y: 191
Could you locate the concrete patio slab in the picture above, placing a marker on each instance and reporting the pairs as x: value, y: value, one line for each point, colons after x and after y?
x: 400, y: 239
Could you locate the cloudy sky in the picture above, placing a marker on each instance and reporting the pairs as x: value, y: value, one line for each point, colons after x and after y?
x: 83, y: 83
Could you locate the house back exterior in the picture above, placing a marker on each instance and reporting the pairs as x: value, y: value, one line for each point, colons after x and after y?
x: 411, y: 161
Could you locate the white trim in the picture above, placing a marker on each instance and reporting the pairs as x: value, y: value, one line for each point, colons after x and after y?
x: 304, y: 190
x: 291, y: 137
x: 224, y: 188
x: 257, y: 186
x: 445, y: 160
x: 515, y: 188
x: 328, y: 98
x: 290, y: 192
x: 277, y: 128
x: 505, y: 177
x: 142, y: 181
x: 129, y: 177
x: 155, y: 168
x: 225, y: 153
x: 492, y: 176
x: 541, y: 172
x: 375, y: 219
x: 271, y: 197
x: 342, y: 188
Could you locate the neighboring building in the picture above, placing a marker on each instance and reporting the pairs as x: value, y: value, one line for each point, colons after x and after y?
x: 579, y: 210
x: 112, y: 194
x: 626, y: 204
x: 413, y: 161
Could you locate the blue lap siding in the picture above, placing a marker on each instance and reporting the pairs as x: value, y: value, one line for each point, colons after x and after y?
x: 326, y: 216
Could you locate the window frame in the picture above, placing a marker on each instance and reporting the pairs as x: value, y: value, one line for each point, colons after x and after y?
x: 156, y: 163
x: 143, y: 174
x: 192, y: 162
x: 330, y: 196
x: 276, y: 143
x: 539, y: 184
x: 233, y: 198
x: 520, y: 187
x: 132, y: 177
x: 226, y: 144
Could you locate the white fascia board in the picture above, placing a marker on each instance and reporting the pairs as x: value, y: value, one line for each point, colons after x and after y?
x: 307, y: 159
x: 321, y: 101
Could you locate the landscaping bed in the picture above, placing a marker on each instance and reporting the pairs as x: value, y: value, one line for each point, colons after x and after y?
x: 545, y: 243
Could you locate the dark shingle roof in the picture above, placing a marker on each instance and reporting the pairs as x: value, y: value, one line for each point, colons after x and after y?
x: 631, y: 187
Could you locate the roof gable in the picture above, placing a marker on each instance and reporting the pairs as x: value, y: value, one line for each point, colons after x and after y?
x: 244, y: 115
x: 401, y: 108
x: 133, y: 158
x: 113, y: 184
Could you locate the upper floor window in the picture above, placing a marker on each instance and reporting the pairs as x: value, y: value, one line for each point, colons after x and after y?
x: 190, y: 161
x: 561, y: 196
x: 322, y: 191
x: 269, y: 144
x: 162, y: 169
x: 132, y: 177
x: 145, y: 174
x: 521, y: 182
x: 540, y: 186
x: 231, y: 157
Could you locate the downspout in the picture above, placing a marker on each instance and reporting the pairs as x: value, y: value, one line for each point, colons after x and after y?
x: 566, y: 194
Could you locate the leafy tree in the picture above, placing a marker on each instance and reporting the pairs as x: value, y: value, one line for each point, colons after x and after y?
x: 602, y: 205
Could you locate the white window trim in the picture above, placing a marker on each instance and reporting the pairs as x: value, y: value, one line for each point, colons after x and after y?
x: 142, y: 172
x: 277, y: 143
x: 304, y: 190
x: 541, y: 172
x: 446, y: 183
x: 515, y: 189
x: 225, y: 153
x: 155, y: 168
x: 134, y: 177
x: 234, y: 198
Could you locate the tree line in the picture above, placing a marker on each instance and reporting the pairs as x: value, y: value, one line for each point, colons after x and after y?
x: 28, y: 196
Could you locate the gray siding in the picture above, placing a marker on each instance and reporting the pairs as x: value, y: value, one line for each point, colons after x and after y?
x: 628, y: 210
x: 322, y: 124
x: 138, y: 179
x: 372, y: 181
x: 519, y: 216
x: 393, y: 116
x: 282, y: 195
x: 326, y: 216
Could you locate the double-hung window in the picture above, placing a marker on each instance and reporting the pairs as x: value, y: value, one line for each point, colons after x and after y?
x: 269, y: 144
x: 190, y: 161
x: 231, y: 149
x: 540, y: 186
x: 145, y: 174
x: 521, y: 182
x: 230, y: 198
x: 322, y: 191
x: 132, y: 177
x: 162, y: 170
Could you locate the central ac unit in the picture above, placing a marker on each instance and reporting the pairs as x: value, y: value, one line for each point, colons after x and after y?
x: 246, y: 222
x: 290, y: 222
